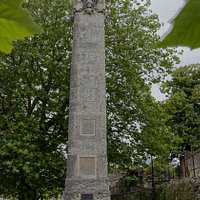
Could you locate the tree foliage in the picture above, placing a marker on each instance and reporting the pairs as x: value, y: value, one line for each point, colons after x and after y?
x: 183, y: 105
x: 34, y: 92
x: 15, y: 23
x: 133, y: 63
x: 34, y: 87
x: 186, y: 27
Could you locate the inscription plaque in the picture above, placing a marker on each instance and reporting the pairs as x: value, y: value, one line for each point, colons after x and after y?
x: 88, y: 127
x: 87, y: 166
x: 86, y: 196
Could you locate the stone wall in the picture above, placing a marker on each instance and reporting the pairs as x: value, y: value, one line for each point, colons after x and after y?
x: 123, y: 188
x: 185, y: 189
x: 190, y: 164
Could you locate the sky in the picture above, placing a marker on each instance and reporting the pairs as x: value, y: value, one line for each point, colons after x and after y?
x: 167, y: 10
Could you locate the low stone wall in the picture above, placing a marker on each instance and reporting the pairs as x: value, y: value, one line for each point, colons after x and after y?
x: 123, y: 189
x: 190, y: 164
x: 184, y: 189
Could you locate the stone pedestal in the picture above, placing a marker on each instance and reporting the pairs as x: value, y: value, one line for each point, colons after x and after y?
x: 87, y: 149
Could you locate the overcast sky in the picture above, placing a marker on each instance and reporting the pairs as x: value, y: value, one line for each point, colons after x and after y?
x: 167, y: 10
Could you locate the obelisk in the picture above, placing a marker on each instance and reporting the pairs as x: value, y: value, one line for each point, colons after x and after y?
x: 87, y: 144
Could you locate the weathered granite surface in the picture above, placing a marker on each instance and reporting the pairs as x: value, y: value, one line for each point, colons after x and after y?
x: 87, y: 151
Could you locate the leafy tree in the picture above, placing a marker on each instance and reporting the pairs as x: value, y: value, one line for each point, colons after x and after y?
x: 186, y: 27
x: 183, y: 105
x: 34, y: 91
x: 133, y: 63
x: 14, y: 24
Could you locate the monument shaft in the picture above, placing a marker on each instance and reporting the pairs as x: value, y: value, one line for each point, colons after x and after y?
x: 87, y: 149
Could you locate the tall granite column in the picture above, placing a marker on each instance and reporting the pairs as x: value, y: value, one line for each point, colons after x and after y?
x: 87, y: 150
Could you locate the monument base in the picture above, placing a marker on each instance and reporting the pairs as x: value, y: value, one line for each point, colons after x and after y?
x: 86, y: 190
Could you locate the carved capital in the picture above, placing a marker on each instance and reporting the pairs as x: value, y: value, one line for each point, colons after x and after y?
x: 89, y: 7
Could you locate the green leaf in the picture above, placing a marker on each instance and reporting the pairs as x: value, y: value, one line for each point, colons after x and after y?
x: 186, y: 27
x: 15, y: 23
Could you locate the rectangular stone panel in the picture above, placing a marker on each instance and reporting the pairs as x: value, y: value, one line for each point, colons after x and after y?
x: 86, y: 196
x: 88, y: 127
x: 87, y: 166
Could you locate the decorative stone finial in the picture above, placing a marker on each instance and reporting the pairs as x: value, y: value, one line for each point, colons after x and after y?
x: 89, y: 6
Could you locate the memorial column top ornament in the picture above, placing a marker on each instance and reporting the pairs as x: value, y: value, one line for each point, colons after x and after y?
x: 89, y: 7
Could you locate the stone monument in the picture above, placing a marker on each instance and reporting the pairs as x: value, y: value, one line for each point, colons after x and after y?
x: 87, y: 148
